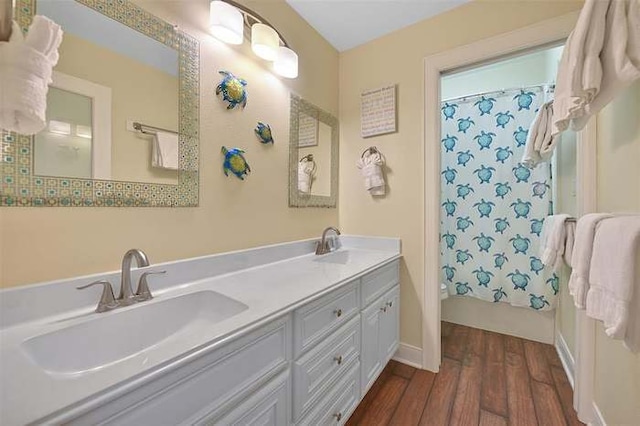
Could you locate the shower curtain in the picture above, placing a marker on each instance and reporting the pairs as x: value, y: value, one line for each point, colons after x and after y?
x: 493, y: 207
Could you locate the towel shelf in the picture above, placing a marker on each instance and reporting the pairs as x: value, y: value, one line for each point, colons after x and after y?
x: 149, y: 130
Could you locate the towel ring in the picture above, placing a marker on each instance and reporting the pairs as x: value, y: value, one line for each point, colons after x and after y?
x: 309, y: 159
x: 370, y: 150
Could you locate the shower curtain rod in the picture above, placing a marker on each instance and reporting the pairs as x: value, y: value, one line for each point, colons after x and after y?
x: 548, y: 86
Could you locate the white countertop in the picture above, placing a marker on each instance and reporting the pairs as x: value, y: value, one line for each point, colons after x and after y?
x: 29, y: 393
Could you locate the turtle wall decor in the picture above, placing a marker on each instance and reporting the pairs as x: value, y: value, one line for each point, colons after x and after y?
x: 263, y: 132
x: 233, y: 90
x: 235, y: 162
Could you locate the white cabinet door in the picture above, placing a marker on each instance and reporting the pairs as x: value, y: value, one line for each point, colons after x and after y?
x: 390, y: 325
x: 370, y: 362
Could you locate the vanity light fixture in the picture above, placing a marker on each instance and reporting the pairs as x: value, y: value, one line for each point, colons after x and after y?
x: 266, y: 42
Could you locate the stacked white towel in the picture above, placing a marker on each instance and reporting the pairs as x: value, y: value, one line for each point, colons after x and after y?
x: 581, y: 257
x: 164, y: 154
x: 601, y: 58
x: 25, y: 73
x: 370, y: 165
x: 540, y: 140
x: 553, y: 240
x: 612, y: 276
x: 306, y: 170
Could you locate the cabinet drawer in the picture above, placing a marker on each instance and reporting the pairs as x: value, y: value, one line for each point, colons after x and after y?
x: 376, y: 283
x: 343, y: 399
x: 317, y: 370
x: 202, y: 388
x: 314, y: 321
x: 267, y: 407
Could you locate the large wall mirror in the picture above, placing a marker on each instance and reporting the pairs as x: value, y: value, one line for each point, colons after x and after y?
x: 122, y: 113
x: 313, y: 156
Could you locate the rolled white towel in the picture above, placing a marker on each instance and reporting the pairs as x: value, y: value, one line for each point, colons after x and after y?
x: 305, y: 175
x: 612, y: 275
x: 552, y: 241
x: 581, y: 257
x: 540, y: 140
x: 45, y: 36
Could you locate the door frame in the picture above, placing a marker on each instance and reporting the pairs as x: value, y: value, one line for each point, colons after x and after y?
x: 538, y: 35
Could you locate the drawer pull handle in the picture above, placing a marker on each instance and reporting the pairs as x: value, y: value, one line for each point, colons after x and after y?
x: 338, y: 359
x: 338, y: 416
x: 389, y: 304
x: 338, y: 312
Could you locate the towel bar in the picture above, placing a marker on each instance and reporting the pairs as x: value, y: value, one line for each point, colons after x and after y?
x: 151, y: 129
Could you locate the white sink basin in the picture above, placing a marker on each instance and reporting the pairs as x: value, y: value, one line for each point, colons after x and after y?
x: 111, y: 337
x: 340, y: 258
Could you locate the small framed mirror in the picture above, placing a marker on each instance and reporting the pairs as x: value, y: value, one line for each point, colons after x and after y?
x: 122, y: 113
x: 313, y: 156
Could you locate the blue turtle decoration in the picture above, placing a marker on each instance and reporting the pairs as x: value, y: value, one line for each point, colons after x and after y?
x: 539, y: 189
x: 462, y: 256
x: 464, y: 157
x: 536, y: 265
x: 484, y: 139
x: 484, y: 173
x: 484, y: 105
x: 449, y: 272
x: 502, y: 189
x: 449, y: 239
x: 462, y: 223
x: 554, y: 281
x: 501, y: 224
x: 484, y: 242
x: 449, y: 142
x: 449, y: 207
x: 537, y: 302
x: 449, y: 175
x: 483, y: 277
x: 449, y: 110
x: 525, y: 99
x: 463, y: 288
x: 484, y: 207
x: 521, y: 173
x: 500, y: 259
x: 464, y: 124
x: 235, y: 162
x: 519, y: 280
x: 503, y: 153
x: 263, y: 132
x: 536, y: 226
x: 503, y: 118
x: 464, y: 190
x: 233, y: 90
x: 498, y: 294
x: 520, y: 244
x: 520, y: 136
x: 521, y: 208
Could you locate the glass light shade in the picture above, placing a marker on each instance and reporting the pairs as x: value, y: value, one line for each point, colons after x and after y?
x: 286, y: 63
x: 226, y: 22
x: 264, y: 41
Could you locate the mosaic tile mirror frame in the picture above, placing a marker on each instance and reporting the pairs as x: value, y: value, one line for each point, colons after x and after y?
x: 20, y: 187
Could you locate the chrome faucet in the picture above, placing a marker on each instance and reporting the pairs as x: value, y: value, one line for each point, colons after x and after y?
x: 126, y: 296
x: 322, y: 246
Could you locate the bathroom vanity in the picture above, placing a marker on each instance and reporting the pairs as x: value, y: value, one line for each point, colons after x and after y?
x: 273, y: 335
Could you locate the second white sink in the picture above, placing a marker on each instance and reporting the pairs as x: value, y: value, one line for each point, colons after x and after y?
x: 104, y: 339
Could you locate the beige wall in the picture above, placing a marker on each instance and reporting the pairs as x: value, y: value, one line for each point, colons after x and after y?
x: 38, y: 244
x: 398, y: 58
x: 617, y: 377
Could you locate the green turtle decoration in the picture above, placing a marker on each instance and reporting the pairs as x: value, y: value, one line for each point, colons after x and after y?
x: 233, y: 90
x: 235, y: 162
x: 263, y: 132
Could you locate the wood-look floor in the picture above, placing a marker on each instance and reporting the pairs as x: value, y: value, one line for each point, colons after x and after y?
x: 485, y: 379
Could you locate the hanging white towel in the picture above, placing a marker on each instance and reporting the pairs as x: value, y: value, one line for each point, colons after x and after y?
x: 25, y: 74
x: 540, y: 140
x: 164, y: 154
x: 569, y: 240
x: 370, y: 165
x: 581, y: 257
x: 601, y: 58
x: 632, y: 336
x: 612, y: 276
x: 306, y: 170
x: 552, y: 240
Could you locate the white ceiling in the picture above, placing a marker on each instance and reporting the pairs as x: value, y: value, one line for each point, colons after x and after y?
x: 349, y: 23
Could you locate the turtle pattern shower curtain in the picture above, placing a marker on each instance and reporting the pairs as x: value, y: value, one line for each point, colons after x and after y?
x: 493, y: 207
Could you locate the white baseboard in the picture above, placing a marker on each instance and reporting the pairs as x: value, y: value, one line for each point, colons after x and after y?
x: 566, y: 358
x: 409, y: 355
x: 598, y: 420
